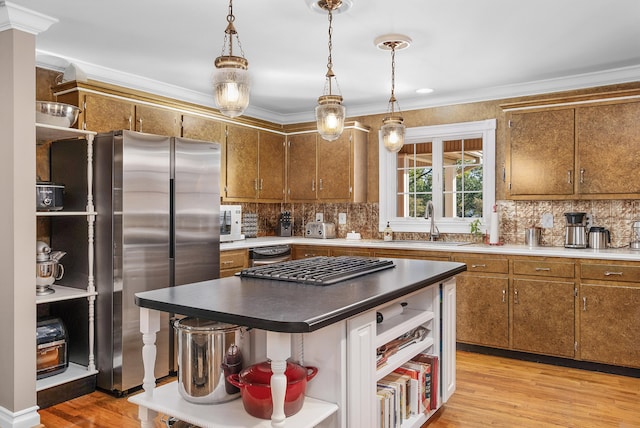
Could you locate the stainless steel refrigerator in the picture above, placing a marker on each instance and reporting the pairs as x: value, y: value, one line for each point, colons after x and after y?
x: 157, y: 200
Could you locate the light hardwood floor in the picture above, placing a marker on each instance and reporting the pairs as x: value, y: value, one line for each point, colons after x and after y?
x: 491, y: 392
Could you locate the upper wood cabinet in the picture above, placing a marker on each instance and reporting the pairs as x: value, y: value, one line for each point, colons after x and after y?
x: 608, y: 144
x: 584, y: 148
x: 255, y: 161
x: 328, y: 171
x: 542, y: 153
x: 104, y: 113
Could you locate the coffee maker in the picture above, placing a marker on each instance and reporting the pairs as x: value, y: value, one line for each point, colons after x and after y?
x: 575, y: 231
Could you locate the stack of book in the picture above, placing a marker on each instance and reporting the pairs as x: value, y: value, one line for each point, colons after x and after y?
x: 409, y: 390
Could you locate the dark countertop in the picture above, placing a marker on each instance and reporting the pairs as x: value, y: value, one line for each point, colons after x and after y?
x: 291, y: 307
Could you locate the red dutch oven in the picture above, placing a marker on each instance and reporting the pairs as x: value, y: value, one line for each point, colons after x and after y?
x: 255, y: 387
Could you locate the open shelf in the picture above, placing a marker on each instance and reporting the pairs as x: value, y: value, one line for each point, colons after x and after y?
x: 167, y: 400
x: 64, y: 213
x: 64, y: 293
x: 402, y: 356
x: 73, y: 372
x: 49, y: 133
x: 400, y: 324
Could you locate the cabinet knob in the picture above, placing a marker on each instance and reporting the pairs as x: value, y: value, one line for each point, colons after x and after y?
x: 569, y: 177
x: 479, y: 266
x: 504, y: 296
x: 540, y: 269
x: 515, y: 296
x: 581, y: 175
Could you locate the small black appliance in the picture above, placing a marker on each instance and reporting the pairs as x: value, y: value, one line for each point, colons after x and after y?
x: 51, y: 353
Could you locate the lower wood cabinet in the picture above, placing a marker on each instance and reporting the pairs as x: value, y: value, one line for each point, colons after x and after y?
x: 543, y: 319
x: 233, y: 261
x: 610, y: 324
x: 609, y: 313
x: 482, y: 303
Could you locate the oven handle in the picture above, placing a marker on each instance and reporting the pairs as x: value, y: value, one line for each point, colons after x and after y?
x: 270, y: 260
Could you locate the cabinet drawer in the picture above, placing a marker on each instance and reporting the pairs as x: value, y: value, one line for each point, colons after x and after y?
x: 233, y: 259
x: 544, y: 268
x: 611, y: 272
x: 484, y: 264
x: 306, y: 251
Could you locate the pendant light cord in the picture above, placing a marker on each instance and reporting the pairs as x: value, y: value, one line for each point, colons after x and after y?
x: 330, y: 59
x: 229, y: 32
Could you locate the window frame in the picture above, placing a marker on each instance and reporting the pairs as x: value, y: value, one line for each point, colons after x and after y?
x: 485, y: 129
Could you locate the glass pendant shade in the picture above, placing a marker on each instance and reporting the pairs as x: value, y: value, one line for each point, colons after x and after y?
x: 231, y: 85
x: 393, y: 133
x: 330, y: 115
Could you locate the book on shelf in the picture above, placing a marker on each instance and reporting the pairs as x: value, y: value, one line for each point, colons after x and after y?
x: 387, y: 407
x: 421, y: 373
x: 433, y: 362
x: 393, y: 389
x: 404, y: 381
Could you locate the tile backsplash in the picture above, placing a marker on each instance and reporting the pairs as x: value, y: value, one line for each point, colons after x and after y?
x: 515, y: 218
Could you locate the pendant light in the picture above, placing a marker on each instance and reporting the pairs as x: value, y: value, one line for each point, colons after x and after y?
x: 330, y: 112
x: 231, y: 79
x: 393, y: 129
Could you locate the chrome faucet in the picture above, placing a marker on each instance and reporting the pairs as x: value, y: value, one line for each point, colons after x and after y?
x: 434, y: 233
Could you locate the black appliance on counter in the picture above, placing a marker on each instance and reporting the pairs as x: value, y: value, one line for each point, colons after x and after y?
x: 52, y: 355
x: 284, y: 224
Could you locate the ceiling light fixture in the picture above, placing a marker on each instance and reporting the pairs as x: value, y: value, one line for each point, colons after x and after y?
x: 231, y: 79
x: 330, y: 112
x: 393, y: 129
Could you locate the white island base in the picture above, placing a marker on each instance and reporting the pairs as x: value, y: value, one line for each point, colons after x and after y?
x: 167, y: 400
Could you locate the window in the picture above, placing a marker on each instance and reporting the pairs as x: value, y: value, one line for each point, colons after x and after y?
x: 451, y: 165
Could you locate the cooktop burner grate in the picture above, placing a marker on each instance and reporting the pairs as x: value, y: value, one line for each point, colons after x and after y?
x: 320, y: 270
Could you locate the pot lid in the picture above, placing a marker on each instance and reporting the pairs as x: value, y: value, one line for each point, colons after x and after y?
x: 260, y: 374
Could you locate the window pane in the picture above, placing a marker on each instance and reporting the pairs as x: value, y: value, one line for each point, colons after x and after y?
x: 462, y: 178
x: 414, y: 179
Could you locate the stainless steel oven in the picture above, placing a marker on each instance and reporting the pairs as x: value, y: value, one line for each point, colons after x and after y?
x: 272, y: 254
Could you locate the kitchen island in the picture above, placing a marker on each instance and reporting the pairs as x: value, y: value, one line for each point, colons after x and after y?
x: 339, y: 332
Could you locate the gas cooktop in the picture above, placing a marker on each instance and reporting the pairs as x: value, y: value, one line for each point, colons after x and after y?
x: 320, y: 270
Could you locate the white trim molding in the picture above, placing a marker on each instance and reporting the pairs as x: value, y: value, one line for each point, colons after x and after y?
x: 388, y: 185
x: 27, y: 418
x: 14, y: 17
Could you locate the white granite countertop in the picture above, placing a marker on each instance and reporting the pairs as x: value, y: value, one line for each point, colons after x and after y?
x: 521, y: 250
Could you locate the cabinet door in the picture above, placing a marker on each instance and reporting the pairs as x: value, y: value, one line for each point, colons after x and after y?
x: 608, y: 144
x: 543, y: 319
x: 334, y: 172
x: 159, y: 121
x: 610, y: 324
x: 242, y: 163
x: 200, y: 128
x: 104, y: 114
x: 542, y: 153
x: 302, y: 167
x: 271, y: 167
x: 306, y: 251
x: 483, y: 310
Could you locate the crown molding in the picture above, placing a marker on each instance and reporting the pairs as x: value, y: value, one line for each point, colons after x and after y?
x: 14, y: 17
x: 580, y: 81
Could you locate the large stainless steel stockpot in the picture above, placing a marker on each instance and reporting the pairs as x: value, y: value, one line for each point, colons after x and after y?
x: 205, y: 350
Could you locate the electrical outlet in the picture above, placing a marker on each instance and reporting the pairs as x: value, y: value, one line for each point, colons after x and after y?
x: 319, y: 217
x: 589, y: 218
x: 547, y: 220
x: 342, y: 218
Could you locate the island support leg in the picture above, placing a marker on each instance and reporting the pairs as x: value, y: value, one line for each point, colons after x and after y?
x: 149, y: 326
x: 278, y: 350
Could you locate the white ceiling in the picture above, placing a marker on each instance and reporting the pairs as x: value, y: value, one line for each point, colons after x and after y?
x: 466, y: 50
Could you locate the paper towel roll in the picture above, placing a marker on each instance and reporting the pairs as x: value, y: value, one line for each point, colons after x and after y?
x: 390, y: 311
x: 494, y: 227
